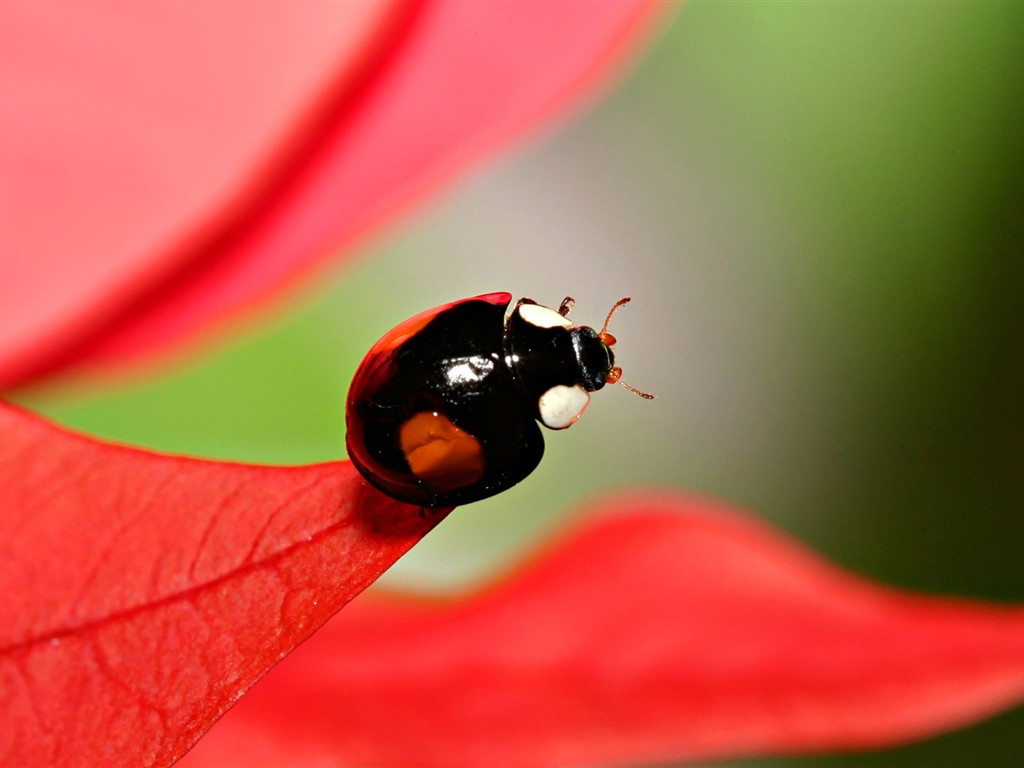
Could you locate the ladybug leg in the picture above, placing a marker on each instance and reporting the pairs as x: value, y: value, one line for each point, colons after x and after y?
x: 566, y: 306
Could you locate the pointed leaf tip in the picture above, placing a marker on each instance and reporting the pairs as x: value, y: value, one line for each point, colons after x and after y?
x: 142, y: 594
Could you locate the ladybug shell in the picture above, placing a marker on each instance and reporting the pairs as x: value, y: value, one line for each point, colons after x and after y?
x: 435, y: 416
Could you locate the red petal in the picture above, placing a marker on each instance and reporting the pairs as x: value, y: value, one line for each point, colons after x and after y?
x: 141, y: 595
x: 672, y: 630
x: 133, y: 134
x: 216, y: 154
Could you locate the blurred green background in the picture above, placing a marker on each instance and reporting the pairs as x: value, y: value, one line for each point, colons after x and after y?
x: 818, y: 209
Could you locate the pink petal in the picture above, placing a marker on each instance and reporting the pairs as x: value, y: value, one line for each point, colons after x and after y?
x: 141, y: 595
x: 666, y: 628
x: 166, y: 163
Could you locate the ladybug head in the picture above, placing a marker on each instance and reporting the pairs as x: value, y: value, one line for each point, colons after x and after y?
x: 595, y: 356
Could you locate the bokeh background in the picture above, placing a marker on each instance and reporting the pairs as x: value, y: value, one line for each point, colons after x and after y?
x: 818, y: 209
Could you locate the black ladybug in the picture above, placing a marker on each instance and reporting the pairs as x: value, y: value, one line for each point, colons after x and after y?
x: 443, y: 409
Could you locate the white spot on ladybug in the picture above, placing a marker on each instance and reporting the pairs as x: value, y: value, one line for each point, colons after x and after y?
x: 560, y: 406
x: 542, y: 317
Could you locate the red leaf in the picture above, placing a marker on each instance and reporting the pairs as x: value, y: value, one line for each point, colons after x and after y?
x: 141, y: 595
x: 673, y: 629
x: 223, y: 152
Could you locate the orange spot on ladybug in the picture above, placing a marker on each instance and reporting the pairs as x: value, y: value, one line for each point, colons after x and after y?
x: 440, y: 453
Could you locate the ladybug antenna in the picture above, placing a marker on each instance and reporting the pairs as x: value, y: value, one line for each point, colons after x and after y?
x: 635, y: 391
x: 615, y: 374
x: 615, y: 377
x: 604, y: 336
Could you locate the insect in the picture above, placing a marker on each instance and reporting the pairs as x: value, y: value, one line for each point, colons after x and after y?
x: 443, y: 410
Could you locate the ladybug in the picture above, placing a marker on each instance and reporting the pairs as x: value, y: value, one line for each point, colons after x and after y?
x: 443, y: 410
